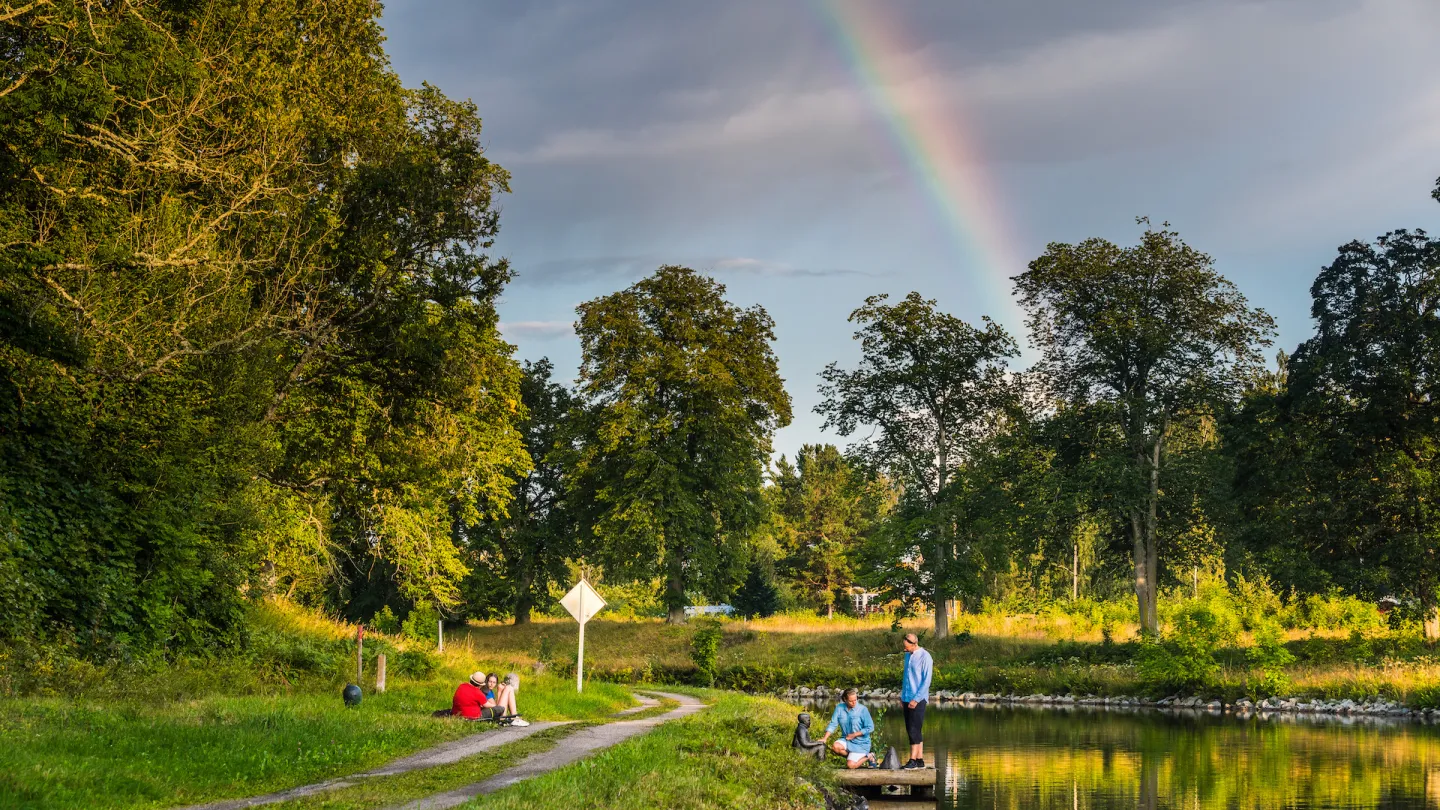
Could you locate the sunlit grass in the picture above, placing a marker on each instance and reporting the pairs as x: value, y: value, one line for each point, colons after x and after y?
x: 735, y: 754
x: 199, y: 730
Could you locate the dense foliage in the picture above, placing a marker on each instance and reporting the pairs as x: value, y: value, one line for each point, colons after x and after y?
x: 247, y: 335
x: 684, y: 394
x: 249, y: 347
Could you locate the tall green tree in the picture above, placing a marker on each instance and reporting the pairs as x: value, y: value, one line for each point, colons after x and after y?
x: 514, y: 560
x: 934, y: 388
x: 1363, y: 396
x: 246, y: 324
x: 823, y: 509
x: 683, y: 395
x: 1142, y: 337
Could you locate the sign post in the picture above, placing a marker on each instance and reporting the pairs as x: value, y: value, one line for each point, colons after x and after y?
x: 583, y: 602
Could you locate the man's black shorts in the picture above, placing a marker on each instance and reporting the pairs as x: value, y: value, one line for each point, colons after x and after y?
x: 914, y: 719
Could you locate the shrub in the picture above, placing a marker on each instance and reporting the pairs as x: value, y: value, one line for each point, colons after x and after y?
x: 1256, y: 601
x: 1335, y: 611
x: 385, y: 621
x: 417, y: 664
x: 1268, y: 659
x: 1185, y: 659
x: 422, y: 624
x: 704, y: 649
x: 758, y: 596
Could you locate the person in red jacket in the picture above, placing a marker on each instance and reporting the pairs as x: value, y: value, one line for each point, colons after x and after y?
x: 470, y: 698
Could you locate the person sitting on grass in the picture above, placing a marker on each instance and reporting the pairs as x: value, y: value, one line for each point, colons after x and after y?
x: 500, y: 695
x: 854, y: 723
x: 470, y: 700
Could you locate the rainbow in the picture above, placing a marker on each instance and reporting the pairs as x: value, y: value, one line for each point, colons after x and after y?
x: 929, y: 133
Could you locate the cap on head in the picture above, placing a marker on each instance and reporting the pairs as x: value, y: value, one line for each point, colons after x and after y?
x: 478, y: 679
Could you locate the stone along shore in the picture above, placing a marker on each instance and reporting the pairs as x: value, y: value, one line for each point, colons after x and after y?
x: 1244, y: 707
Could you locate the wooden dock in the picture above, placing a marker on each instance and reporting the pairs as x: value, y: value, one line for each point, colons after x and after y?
x: 921, y: 781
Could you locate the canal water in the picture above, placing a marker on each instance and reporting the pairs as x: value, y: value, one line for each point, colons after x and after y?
x: 1048, y: 759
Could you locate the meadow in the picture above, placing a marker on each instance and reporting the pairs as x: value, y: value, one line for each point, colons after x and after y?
x: 192, y: 730
x: 1333, y: 648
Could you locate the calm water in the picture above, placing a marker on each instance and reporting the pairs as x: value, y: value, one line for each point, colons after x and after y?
x: 1047, y: 759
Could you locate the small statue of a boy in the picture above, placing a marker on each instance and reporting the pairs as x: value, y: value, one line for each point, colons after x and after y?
x: 802, y: 741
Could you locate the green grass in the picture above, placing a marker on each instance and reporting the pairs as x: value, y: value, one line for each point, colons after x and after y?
x: 736, y: 754
x: 391, y: 791
x: 396, y: 790
x: 191, y: 731
x: 61, y: 754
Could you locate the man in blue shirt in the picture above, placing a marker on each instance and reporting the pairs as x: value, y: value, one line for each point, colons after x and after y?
x: 914, y: 694
x: 855, y: 726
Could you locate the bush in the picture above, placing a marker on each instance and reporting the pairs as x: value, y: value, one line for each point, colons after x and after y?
x: 385, y: 621
x: 422, y: 624
x: 1256, y: 601
x: 416, y: 664
x: 704, y: 649
x: 1335, y: 611
x: 1185, y: 659
x: 1268, y: 659
x: 758, y: 596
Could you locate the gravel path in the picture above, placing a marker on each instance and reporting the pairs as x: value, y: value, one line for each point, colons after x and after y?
x: 573, y: 748
x: 443, y: 754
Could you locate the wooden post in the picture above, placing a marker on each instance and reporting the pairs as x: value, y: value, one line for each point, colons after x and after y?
x: 359, y: 653
x: 380, y: 674
x: 440, y: 633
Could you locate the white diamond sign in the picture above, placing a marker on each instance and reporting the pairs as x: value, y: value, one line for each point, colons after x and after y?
x: 583, y: 602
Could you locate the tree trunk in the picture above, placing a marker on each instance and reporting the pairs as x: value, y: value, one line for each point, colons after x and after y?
x: 942, y: 545
x: 526, y: 600
x: 1075, y: 570
x: 1142, y: 529
x: 1430, y: 615
x: 675, y: 592
x: 1144, y: 585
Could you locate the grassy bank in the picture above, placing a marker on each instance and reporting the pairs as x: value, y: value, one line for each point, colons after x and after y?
x: 160, y: 735
x: 1000, y: 654
x: 735, y: 754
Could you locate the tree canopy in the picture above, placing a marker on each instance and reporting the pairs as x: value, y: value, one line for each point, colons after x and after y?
x: 683, y: 393
x: 933, y: 388
x: 246, y: 321
x: 1145, y: 336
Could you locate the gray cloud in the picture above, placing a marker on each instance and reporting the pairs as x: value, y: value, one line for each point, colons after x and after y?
x: 625, y: 269
x: 536, y: 330
x: 733, y: 137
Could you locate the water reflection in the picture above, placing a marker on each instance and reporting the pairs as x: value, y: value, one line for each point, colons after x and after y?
x: 1026, y: 758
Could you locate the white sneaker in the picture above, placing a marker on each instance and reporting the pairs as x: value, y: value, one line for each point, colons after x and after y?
x: 519, y: 721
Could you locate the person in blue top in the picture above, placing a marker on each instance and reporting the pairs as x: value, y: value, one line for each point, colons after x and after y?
x: 914, y: 694
x: 855, y: 726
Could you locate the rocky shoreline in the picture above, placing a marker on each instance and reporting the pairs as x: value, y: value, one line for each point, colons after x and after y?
x: 1242, y: 708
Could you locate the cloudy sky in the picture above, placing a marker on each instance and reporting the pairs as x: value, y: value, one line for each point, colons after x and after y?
x: 810, y: 153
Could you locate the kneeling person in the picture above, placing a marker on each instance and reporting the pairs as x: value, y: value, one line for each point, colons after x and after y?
x: 855, y: 726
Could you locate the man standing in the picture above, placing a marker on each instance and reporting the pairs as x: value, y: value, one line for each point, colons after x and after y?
x: 855, y: 726
x: 914, y: 694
